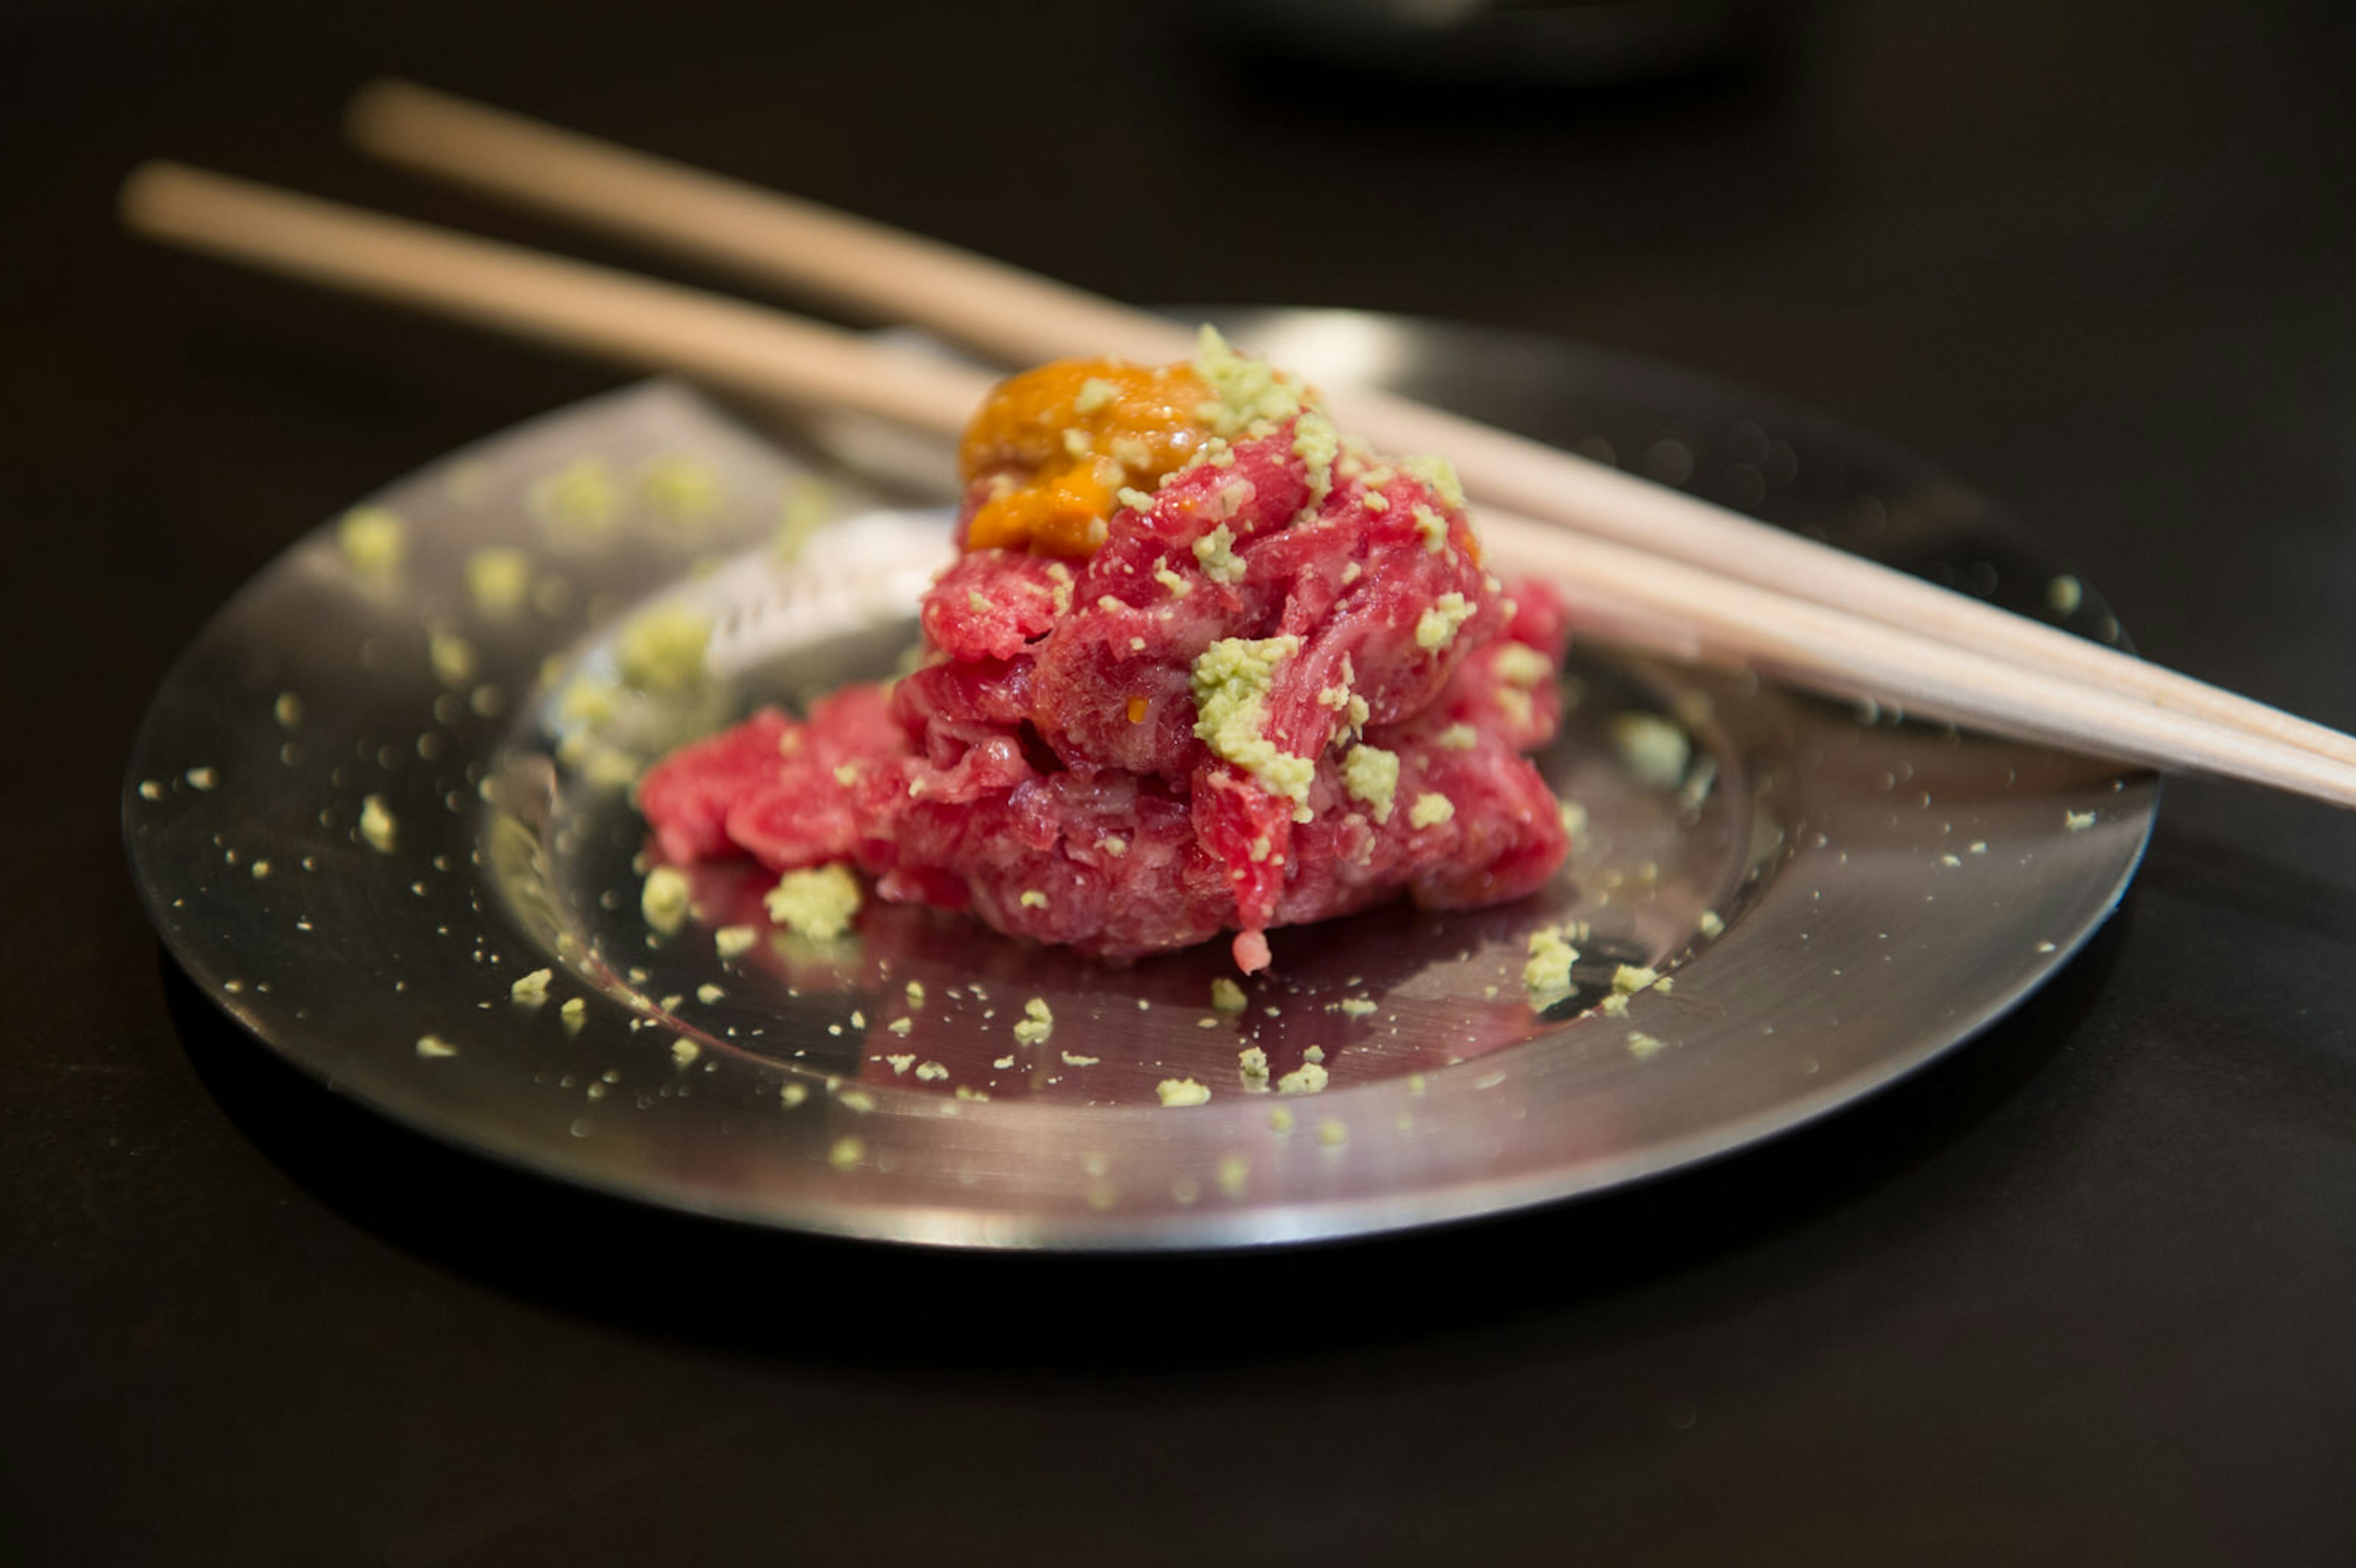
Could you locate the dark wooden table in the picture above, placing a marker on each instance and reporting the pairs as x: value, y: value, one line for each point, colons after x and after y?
x: 2082, y: 1294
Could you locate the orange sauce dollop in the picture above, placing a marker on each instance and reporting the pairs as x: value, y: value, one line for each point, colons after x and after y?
x: 1052, y: 448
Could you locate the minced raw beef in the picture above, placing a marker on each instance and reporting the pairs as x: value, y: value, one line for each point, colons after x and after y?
x: 1278, y: 687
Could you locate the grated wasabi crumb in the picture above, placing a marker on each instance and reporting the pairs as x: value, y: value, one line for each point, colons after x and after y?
x: 664, y: 898
x: 1440, y: 475
x: 1711, y: 925
x: 376, y: 824
x: 1072, y: 1060
x: 846, y: 1153
x: 1630, y: 978
x: 1371, y: 775
x: 680, y: 490
x: 453, y: 657
x: 1643, y: 1044
x: 498, y: 577
x: 1231, y: 680
x: 1217, y: 554
x: 684, y: 1050
x: 374, y: 540
x: 1253, y: 1063
x: 1036, y: 1023
x: 580, y: 503
x: 817, y: 903
x: 1518, y: 663
x: 532, y: 989
x: 1317, y: 443
x: 1428, y: 523
x: 931, y: 1072
x: 433, y: 1046
x: 1245, y: 391
x: 1181, y: 1092
x: 2077, y: 821
x: 662, y: 649
x: 587, y: 699
x: 1437, y: 627
x: 731, y: 941
x: 1309, y: 1078
x: 1652, y: 748
x: 1430, y: 810
x: 1547, y: 976
x: 1226, y: 996
x: 708, y: 993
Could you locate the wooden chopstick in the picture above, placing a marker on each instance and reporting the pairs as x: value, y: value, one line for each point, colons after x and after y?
x: 1022, y: 317
x: 887, y: 276
x: 1670, y: 606
x: 730, y: 343
x: 1702, y: 617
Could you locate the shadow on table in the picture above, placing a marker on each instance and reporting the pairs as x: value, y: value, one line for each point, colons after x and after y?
x: 2221, y: 873
x: 720, y: 1285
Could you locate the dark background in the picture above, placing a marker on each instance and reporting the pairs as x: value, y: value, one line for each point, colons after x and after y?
x: 2081, y: 1294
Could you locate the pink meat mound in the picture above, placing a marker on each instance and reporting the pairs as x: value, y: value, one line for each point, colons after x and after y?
x: 1043, y: 767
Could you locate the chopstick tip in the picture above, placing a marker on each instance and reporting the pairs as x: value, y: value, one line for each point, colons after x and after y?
x: 147, y: 189
x: 377, y: 103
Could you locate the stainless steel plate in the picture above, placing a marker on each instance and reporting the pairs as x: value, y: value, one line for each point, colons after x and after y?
x: 1838, y: 897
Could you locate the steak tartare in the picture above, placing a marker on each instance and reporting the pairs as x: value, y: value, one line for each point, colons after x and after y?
x: 1204, y: 664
